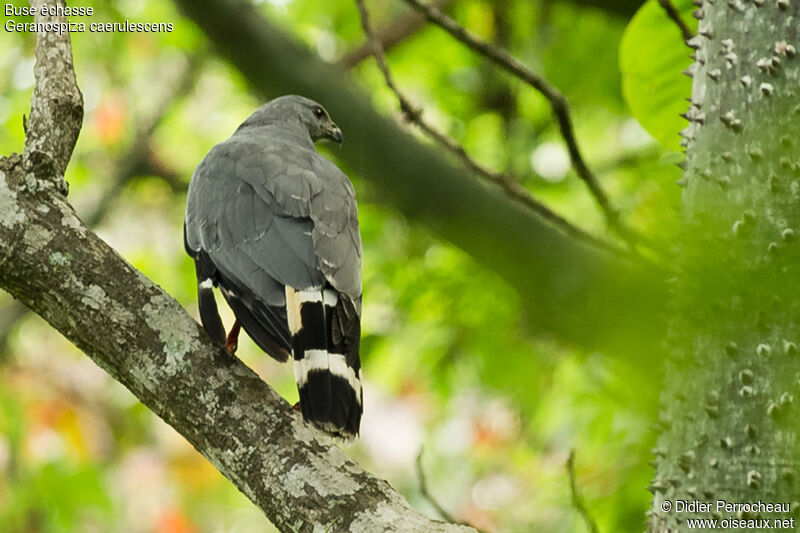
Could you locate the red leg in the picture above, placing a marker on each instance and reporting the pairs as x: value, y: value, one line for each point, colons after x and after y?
x: 233, y: 338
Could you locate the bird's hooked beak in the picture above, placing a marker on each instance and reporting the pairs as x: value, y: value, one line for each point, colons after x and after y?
x: 334, y: 133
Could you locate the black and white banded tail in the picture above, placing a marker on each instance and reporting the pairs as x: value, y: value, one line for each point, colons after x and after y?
x: 325, y: 328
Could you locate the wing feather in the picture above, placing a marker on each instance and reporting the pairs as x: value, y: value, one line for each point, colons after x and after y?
x: 269, y: 215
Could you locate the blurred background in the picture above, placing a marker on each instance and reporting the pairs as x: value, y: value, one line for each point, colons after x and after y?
x: 453, y: 370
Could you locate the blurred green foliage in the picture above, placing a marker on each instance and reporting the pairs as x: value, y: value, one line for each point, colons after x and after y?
x: 652, y: 66
x: 451, y: 364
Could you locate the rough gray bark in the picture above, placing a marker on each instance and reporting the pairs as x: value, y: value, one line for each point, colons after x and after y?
x: 65, y: 273
x: 729, y: 404
x: 51, y: 262
x: 57, y: 103
x: 580, y: 294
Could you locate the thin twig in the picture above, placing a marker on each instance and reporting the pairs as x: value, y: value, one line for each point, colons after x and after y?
x: 423, y: 489
x: 577, y: 499
x: 673, y: 14
x: 511, y: 187
x: 391, y: 35
x: 558, y: 104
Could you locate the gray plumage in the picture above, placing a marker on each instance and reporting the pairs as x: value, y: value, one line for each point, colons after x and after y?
x: 267, y: 189
x: 264, y: 212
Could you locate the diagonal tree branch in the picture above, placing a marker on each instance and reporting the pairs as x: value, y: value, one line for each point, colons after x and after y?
x: 55, y: 265
x: 509, y: 185
x: 139, y: 159
x: 558, y: 104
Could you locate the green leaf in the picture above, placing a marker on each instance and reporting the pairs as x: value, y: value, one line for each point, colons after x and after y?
x: 652, y: 56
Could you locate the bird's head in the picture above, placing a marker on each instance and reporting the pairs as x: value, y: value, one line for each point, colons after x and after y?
x: 311, y: 115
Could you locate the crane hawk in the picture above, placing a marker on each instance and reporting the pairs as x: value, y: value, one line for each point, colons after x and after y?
x: 274, y: 226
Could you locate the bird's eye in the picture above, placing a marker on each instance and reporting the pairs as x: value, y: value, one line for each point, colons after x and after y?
x: 318, y: 112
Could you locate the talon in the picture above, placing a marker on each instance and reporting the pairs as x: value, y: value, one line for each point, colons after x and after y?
x: 296, y: 406
x: 232, y: 342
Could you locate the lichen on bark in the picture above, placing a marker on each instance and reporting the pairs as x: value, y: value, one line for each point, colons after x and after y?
x: 57, y: 103
x: 143, y: 338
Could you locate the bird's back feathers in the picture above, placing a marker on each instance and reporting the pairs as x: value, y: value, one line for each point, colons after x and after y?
x: 268, y: 219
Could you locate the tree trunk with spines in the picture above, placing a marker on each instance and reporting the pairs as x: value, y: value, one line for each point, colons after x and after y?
x: 731, y: 398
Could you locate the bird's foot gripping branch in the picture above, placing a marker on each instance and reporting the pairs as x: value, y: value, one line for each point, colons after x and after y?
x: 144, y: 339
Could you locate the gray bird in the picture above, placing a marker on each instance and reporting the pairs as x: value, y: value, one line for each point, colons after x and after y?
x: 274, y: 226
